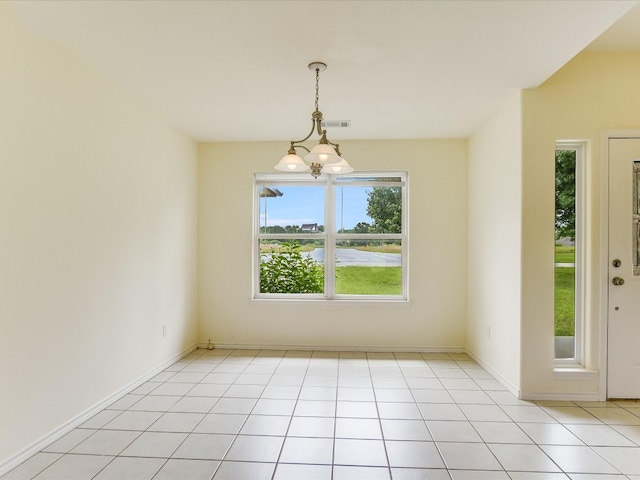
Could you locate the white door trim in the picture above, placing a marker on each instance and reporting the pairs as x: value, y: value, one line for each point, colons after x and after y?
x: 604, y: 250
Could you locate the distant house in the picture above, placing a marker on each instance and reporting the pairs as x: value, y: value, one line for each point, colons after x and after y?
x: 566, y: 242
x: 309, y: 227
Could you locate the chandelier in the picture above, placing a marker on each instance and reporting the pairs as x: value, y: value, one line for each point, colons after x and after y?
x: 323, y: 158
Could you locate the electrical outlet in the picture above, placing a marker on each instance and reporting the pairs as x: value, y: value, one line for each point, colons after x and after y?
x: 164, y: 330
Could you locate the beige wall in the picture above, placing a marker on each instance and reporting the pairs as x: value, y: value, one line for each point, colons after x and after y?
x: 495, y: 242
x: 99, y: 204
x: 97, y: 235
x: 435, y: 315
x: 596, y: 91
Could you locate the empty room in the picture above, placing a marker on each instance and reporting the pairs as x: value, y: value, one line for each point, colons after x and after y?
x: 320, y: 239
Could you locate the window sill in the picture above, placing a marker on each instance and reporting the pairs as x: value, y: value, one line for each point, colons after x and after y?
x: 574, y: 373
x: 332, y: 302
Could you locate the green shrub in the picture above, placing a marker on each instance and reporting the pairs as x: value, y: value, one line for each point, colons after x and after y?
x: 288, y: 271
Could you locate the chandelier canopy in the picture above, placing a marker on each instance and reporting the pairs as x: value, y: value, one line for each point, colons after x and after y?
x: 324, y: 157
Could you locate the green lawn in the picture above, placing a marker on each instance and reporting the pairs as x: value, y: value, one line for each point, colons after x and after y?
x: 388, y: 281
x: 565, y: 289
x: 369, y: 280
x: 564, y: 301
x: 565, y: 254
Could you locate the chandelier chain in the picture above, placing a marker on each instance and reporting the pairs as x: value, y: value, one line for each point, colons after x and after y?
x: 317, y: 81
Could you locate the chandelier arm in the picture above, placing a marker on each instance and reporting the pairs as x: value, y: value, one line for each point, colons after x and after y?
x: 318, y: 124
x: 293, y: 145
x: 313, y: 126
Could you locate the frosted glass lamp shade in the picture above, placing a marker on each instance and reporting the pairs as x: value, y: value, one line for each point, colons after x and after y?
x: 337, y: 168
x: 292, y: 163
x: 322, y: 154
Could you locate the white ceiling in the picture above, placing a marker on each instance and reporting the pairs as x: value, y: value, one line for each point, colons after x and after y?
x: 237, y: 70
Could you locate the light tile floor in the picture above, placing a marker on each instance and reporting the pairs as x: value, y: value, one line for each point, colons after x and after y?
x: 239, y: 414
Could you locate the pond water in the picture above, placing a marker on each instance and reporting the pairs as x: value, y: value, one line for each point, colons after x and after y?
x: 350, y: 257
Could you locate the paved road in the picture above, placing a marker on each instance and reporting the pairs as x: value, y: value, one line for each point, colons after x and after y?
x: 350, y: 257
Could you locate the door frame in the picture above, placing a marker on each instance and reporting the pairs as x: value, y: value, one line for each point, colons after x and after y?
x: 606, y: 136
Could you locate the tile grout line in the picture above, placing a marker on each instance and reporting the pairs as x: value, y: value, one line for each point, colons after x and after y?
x: 605, y: 412
x: 275, y: 469
x: 205, y: 415
x: 375, y: 399
x: 235, y: 436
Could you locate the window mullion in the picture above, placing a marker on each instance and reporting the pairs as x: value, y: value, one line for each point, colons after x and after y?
x: 330, y: 240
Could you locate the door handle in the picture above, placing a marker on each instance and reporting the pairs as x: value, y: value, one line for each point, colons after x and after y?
x: 617, y: 281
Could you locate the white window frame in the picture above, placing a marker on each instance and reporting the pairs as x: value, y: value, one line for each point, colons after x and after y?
x: 330, y: 236
x: 580, y: 147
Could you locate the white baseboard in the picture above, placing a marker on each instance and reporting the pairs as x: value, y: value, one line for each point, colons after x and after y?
x: 512, y: 388
x: 523, y: 395
x: 334, y: 348
x: 569, y: 397
x: 18, y: 458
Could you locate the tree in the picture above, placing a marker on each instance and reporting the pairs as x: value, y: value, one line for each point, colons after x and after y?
x: 361, y: 227
x: 272, y: 229
x: 385, y: 207
x: 565, y: 194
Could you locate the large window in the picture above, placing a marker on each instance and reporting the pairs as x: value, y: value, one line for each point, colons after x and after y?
x: 569, y: 253
x: 341, y: 237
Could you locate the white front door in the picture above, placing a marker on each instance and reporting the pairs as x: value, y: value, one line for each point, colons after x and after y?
x: 623, y: 375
